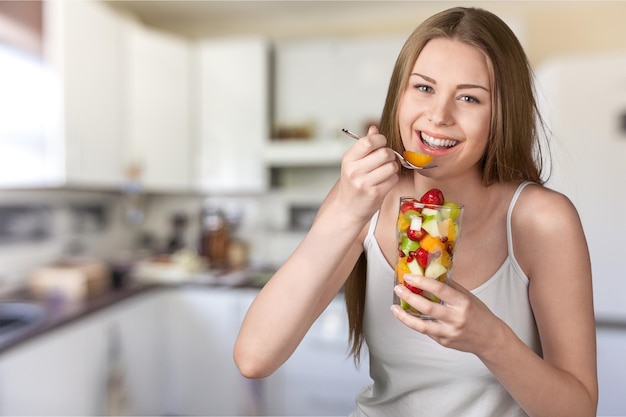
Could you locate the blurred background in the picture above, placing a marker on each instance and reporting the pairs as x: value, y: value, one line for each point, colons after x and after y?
x: 159, y: 159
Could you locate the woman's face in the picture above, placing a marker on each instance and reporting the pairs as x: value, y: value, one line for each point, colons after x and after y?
x: 445, y: 110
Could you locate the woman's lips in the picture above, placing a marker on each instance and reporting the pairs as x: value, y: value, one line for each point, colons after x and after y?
x: 437, y: 143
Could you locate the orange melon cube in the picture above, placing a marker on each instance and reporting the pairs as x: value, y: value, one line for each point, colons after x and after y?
x: 402, y: 268
x: 432, y: 244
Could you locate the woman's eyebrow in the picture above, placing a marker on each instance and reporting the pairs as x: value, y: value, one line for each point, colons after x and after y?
x: 459, y: 87
x: 426, y: 78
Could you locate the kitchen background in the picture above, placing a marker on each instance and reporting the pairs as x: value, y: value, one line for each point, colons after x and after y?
x: 136, y: 134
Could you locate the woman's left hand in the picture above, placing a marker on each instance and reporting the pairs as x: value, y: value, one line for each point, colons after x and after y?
x: 462, y: 322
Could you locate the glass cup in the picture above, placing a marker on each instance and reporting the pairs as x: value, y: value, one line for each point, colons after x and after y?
x: 427, y: 235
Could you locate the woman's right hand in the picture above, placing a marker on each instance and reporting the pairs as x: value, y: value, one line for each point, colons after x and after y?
x: 368, y: 171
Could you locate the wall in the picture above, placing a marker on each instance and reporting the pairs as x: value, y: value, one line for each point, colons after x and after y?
x: 78, y: 224
x: 575, y: 28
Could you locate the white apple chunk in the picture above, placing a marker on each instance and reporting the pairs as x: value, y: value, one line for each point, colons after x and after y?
x: 435, y: 270
x: 431, y: 225
x: 428, y: 212
x: 444, y: 227
x: 415, y: 268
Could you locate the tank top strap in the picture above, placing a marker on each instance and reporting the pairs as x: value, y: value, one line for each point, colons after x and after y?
x: 509, y: 233
x: 372, y: 226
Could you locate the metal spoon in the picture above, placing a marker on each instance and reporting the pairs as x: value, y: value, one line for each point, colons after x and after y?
x: 403, y: 161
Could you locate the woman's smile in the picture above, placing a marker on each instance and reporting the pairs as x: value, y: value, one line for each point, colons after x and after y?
x: 437, y: 143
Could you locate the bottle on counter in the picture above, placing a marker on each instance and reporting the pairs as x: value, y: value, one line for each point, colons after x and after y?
x: 215, y: 237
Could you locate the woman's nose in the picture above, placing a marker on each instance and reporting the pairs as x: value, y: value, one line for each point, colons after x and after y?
x: 439, y: 112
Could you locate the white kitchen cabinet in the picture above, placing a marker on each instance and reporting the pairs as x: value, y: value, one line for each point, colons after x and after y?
x: 61, y: 373
x: 333, y: 83
x: 233, y: 116
x: 64, y: 372
x: 175, y: 348
x: 176, y: 352
x: 330, y: 84
x: 320, y: 378
x: 83, y: 46
x: 113, y: 95
x: 306, y: 84
x: 158, y: 116
x: 202, y: 377
x: 139, y: 321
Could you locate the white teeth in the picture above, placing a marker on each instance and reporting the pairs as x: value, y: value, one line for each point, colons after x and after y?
x: 435, y: 142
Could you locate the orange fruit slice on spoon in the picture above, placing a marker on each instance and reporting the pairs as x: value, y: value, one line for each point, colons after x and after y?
x: 417, y: 159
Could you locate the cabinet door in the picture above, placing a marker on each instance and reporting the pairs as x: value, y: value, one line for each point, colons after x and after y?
x: 83, y: 41
x: 363, y: 69
x: 138, y: 324
x: 333, y: 83
x: 306, y: 88
x: 233, y: 115
x: 61, y: 373
x: 158, y: 116
x: 202, y: 377
x: 319, y: 378
x: 65, y: 372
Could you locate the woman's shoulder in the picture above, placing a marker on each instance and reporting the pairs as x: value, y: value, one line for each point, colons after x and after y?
x: 544, y: 216
x: 544, y: 221
x: 537, y: 202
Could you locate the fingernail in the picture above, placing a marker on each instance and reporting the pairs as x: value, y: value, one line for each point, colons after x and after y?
x: 399, y: 289
x: 410, y: 278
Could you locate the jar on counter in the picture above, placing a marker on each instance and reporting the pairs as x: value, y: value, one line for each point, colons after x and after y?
x: 237, y: 253
x: 215, y: 237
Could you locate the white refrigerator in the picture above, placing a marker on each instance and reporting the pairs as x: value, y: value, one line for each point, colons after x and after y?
x: 583, y: 99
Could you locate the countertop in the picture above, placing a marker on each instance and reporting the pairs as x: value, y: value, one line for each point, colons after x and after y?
x: 59, y: 314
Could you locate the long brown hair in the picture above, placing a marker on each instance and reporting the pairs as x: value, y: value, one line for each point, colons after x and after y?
x: 514, y: 149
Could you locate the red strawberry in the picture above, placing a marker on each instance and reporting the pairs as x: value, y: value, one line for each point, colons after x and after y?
x: 412, y: 288
x: 407, y: 206
x: 415, y: 235
x: 422, y: 257
x: 433, y: 196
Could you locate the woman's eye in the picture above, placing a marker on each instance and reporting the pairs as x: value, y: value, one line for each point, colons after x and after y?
x: 469, y: 99
x: 424, y: 88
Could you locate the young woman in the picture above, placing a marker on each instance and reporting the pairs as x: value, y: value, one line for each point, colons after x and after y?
x: 515, y: 335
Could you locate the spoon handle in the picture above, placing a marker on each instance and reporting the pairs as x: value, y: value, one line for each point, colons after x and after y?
x: 352, y: 135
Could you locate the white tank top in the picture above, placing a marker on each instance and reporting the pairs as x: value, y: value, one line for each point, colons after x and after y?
x: 415, y: 376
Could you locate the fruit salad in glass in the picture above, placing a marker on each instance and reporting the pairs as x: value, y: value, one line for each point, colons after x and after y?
x: 427, y: 232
